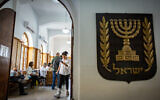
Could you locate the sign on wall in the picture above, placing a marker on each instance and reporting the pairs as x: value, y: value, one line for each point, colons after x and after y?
x: 125, y: 46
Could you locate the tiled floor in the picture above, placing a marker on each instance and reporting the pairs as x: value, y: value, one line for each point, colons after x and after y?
x: 39, y: 93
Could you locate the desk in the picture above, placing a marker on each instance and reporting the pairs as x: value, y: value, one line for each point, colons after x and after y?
x: 49, y: 78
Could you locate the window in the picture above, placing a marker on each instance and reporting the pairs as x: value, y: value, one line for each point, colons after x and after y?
x: 24, y: 52
x: 41, y: 56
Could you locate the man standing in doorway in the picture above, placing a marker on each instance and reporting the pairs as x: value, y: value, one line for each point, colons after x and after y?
x: 55, y: 63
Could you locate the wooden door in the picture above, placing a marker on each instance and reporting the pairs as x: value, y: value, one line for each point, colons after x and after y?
x: 7, y: 21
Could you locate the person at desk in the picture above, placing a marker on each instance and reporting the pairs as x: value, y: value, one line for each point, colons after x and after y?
x: 17, y: 78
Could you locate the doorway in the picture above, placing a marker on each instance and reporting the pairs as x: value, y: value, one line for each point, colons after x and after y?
x: 43, y: 55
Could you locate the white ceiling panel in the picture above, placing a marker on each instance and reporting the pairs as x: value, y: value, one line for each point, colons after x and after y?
x: 51, y: 14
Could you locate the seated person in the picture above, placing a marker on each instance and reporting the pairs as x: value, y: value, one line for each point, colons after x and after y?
x: 49, y: 67
x: 32, y: 74
x: 17, y: 78
x: 43, y: 72
x: 26, y: 76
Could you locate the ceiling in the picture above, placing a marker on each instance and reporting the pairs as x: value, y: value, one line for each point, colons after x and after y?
x: 56, y: 25
x: 51, y: 14
x: 47, y: 8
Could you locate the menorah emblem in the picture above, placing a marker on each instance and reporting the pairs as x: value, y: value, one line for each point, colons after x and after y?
x: 126, y: 29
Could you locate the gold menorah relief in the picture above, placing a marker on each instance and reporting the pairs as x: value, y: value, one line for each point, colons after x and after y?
x: 126, y: 29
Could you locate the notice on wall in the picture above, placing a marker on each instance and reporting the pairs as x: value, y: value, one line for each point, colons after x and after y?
x: 4, y: 51
x: 125, y: 46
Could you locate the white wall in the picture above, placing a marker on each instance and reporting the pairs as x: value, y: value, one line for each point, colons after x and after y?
x: 24, y: 12
x: 73, y: 7
x: 44, y: 45
x: 59, y: 44
x: 92, y: 86
x: 44, y: 34
x: 48, y: 19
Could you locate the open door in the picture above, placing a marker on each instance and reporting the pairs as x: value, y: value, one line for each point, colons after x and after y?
x: 7, y: 21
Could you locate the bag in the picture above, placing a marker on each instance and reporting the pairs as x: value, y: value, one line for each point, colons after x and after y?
x: 56, y: 63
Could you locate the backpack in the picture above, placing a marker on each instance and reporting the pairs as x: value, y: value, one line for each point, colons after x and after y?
x: 56, y: 63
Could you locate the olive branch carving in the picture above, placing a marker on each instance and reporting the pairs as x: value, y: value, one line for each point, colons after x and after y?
x: 104, y: 44
x: 148, y: 45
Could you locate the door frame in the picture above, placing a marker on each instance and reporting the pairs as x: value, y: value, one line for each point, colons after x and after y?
x: 3, y: 2
x: 72, y: 42
x: 72, y: 45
